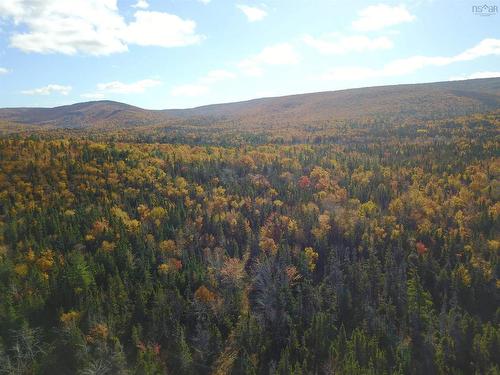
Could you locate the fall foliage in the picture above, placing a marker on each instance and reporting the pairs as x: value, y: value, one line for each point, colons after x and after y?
x: 349, y: 247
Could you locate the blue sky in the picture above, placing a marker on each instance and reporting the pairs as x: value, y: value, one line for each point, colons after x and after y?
x: 183, y: 53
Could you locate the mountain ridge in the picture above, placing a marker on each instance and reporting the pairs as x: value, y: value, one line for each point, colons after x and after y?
x: 396, y: 102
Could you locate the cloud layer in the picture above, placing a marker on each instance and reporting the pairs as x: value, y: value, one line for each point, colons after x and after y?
x: 202, y: 87
x: 377, y: 17
x: 487, y: 47
x: 253, y: 14
x: 49, y: 89
x: 141, y: 4
x: 278, y: 54
x: 344, y: 44
x: 93, y: 27
x: 118, y: 87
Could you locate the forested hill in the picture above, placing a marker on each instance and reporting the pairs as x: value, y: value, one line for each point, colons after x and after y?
x: 255, y: 238
x: 89, y: 114
x: 428, y: 101
x: 422, y: 101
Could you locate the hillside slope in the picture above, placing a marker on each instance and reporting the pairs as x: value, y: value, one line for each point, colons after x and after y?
x: 420, y: 101
x: 88, y: 114
x: 423, y: 101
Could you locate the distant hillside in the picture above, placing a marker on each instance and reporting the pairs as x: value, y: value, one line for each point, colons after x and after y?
x: 420, y: 101
x: 423, y: 101
x: 88, y: 114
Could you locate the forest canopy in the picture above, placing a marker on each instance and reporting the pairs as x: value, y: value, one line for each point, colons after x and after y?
x: 336, y: 247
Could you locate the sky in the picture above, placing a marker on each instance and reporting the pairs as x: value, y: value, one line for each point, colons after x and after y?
x: 160, y: 54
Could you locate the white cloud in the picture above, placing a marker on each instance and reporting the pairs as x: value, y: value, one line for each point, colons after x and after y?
x: 204, y: 1
x: 278, y: 54
x: 189, y: 90
x: 377, y: 17
x: 49, y: 89
x: 161, y: 29
x: 345, y: 44
x: 475, y: 76
x: 202, y: 86
x: 487, y: 47
x: 141, y: 4
x: 216, y: 76
x: 4, y: 70
x: 92, y: 27
x: 253, y: 14
x: 117, y: 87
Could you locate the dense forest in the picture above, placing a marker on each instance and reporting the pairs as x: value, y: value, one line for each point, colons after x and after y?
x: 353, y: 247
